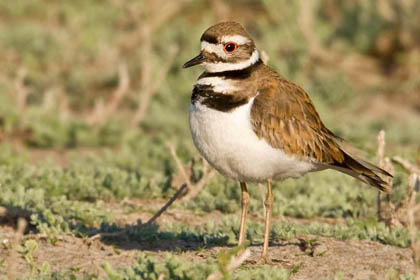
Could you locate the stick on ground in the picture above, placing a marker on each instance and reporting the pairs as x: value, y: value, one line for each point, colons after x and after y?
x: 150, y: 221
x: 170, y: 201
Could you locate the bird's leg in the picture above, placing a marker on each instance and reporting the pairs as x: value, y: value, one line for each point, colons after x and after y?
x: 245, y: 204
x: 268, y: 203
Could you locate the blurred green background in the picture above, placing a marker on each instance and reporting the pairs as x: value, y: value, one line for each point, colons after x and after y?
x: 63, y: 62
x: 100, y: 84
x: 91, y: 91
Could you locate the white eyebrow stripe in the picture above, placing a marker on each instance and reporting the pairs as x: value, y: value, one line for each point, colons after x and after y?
x: 226, y: 66
x: 213, y: 48
x: 238, y: 39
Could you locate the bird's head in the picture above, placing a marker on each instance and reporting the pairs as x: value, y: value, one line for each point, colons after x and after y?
x: 225, y: 46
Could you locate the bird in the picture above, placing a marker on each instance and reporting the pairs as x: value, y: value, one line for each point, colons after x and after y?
x: 253, y: 125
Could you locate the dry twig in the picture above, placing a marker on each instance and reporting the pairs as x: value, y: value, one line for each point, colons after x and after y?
x: 169, y: 203
x: 306, y: 23
x: 385, y: 164
x: 406, y: 211
x: 178, y: 163
x: 150, y: 221
x: 381, y: 147
x: 155, y: 13
x: 410, y: 168
x: 412, y: 209
x: 150, y: 87
x: 193, y: 189
x: 102, y: 112
x: 351, y: 64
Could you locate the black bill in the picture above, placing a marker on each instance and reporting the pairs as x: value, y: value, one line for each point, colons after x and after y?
x: 195, y: 61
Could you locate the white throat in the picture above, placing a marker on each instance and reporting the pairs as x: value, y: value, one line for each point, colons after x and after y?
x: 226, y: 66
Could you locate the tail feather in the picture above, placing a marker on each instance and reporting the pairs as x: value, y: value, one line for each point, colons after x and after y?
x: 364, y: 171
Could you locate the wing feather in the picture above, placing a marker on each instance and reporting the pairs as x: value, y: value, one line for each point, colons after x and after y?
x: 285, y: 117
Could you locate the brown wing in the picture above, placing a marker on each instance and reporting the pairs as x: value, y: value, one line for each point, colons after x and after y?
x: 284, y: 116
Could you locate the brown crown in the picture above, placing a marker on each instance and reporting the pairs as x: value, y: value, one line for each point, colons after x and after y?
x: 214, y: 33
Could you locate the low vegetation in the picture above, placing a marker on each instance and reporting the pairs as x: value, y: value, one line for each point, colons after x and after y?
x: 94, y: 140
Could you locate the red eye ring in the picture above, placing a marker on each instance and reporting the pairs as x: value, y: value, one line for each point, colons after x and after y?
x: 230, y: 47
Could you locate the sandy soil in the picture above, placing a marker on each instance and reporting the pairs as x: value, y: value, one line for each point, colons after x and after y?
x: 352, y: 259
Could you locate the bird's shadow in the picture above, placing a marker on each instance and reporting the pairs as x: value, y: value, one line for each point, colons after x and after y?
x: 139, y: 236
x: 9, y: 216
x: 149, y: 237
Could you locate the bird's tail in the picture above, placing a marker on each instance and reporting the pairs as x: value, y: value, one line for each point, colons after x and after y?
x: 364, y: 171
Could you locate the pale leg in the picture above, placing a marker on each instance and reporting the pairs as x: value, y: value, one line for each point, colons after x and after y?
x: 268, y: 203
x: 245, y: 204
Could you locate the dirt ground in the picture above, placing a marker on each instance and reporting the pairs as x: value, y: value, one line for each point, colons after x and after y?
x: 353, y: 259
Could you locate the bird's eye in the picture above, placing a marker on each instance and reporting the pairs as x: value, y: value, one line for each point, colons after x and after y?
x: 230, y: 47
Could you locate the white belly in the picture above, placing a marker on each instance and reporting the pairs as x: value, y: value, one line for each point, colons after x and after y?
x: 228, y: 143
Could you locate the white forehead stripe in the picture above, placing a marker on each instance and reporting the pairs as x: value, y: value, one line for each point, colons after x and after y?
x: 226, y: 66
x: 238, y: 39
x: 218, y: 84
x: 209, y: 47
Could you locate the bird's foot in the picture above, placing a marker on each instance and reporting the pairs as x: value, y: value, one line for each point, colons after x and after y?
x: 262, y: 260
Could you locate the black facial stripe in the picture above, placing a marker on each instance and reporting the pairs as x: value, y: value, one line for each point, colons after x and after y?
x: 234, y: 74
x: 241, y: 53
x: 216, y: 100
x: 214, y: 58
x: 209, y: 39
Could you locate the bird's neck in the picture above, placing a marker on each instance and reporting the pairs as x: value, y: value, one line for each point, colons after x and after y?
x: 226, y: 90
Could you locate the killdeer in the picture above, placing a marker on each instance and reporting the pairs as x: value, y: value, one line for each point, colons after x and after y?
x: 253, y: 125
